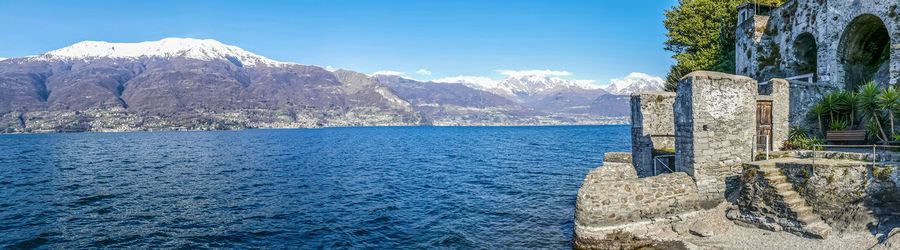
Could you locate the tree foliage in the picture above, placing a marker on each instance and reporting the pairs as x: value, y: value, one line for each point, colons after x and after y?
x: 701, y: 33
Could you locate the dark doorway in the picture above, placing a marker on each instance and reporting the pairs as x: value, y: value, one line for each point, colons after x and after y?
x: 864, y: 51
x: 806, y: 50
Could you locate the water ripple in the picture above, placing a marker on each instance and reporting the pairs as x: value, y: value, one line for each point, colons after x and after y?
x: 391, y: 187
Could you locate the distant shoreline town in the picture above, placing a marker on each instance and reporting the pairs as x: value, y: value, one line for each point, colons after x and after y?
x: 191, y: 84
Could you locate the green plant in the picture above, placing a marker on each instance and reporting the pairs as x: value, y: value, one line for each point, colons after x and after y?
x: 838, y: 125
x: 701, y: 34
x: 818, y: 110
x: 873, y: 129
x: 798, y: 132
x: 882, y: 173
x: 889, y: 100
x: 868, y: 106
x: 799, y: 138
x: 849, y: 100
x: 832, y: 104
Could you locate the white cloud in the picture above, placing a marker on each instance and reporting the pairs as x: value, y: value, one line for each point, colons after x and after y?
x: 542, y: 73
x: 329, y: 68
x: 423, y: 72
x: 476, y: 81
x: 388, y: 73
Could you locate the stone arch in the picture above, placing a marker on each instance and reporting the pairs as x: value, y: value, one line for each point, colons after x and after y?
x: 864, y: 50
x: 806, y: 51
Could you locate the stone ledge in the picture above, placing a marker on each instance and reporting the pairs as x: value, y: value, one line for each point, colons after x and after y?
x: 711, y: 75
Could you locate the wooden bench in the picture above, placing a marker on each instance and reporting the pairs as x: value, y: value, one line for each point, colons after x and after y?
x: 846, y: 136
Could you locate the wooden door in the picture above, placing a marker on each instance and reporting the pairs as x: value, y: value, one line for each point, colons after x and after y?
x: 764, y: 125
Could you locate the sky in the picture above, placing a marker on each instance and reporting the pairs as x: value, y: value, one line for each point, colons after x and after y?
x: 588, y: 40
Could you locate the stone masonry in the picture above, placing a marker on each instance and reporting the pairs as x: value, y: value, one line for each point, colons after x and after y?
x: 827, y: 38
x: 613, y: 195
x: 652, y: 128
x: 715, y: 117
x: 778, y: 91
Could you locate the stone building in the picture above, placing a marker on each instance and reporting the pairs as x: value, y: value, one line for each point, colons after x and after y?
x: 715, y: 125
x: 820, y: 46
x: 842, y: 43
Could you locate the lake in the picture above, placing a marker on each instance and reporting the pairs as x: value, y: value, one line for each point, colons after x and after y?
x: 374, y: 187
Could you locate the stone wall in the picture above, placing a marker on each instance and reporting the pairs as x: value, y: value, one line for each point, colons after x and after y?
x: 848, y: 194
x: 779, y: 92
x: 781, y: 107
x: 715, y: 117
x: 652, y: 127
x: 803, y: 97
x: 612, y: 196
x: 774, y: 46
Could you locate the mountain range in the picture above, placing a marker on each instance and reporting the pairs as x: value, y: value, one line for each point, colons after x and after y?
x: 191, y: 84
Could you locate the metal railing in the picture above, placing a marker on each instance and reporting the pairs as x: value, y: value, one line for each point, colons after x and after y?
x: 810, y: 78
x: 756, y: 146
x: 657, y: 160
x: 875, y: 147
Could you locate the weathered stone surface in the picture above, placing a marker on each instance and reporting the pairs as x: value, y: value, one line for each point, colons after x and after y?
x: 652, y: 127
x: 702, y: 228
x: 612, y: 199
x: 781, y: 107
x: 849, y: 194
x: 812, y: 36
x: 714, y: 128
x: 803, y: 97
x: 617, y: 157
x: 604, y: 201
x: 805, y: 198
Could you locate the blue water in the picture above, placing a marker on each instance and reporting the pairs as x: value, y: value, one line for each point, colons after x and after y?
x: 389, y: 187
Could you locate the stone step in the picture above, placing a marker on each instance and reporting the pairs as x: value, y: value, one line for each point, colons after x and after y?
x: 801, y: 209
x: 818, y: 230
x: 770, y: 172
x: 794, y: 201
x: 790, y: 196
x: 785, y: 186
x: 775, y: 180
x: 768, y: 168
x: 809, y: 218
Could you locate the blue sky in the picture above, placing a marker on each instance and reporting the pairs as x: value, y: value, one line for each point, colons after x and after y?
x: 593, y: 40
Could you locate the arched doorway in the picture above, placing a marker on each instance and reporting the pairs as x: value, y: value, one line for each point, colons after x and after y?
x: 864, y: 50
x: 806, y: 51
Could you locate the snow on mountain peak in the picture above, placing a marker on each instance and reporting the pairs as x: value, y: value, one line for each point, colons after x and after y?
x: 206, y: 49
x: 520, y: 83
x: 634, y: 82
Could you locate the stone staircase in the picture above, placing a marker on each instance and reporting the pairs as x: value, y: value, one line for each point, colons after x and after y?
x: 796, y: 207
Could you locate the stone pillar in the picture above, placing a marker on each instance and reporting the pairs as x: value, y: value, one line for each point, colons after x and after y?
x: 781, y: 108
x: 651, y: 114
x: 715, y: 117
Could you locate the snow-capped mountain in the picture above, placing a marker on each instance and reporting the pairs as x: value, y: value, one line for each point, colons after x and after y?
x: 183, y: 83
x: 531, y: 85
x: 520, y: 85
x: 634, y: 82
x: 207, y: 49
